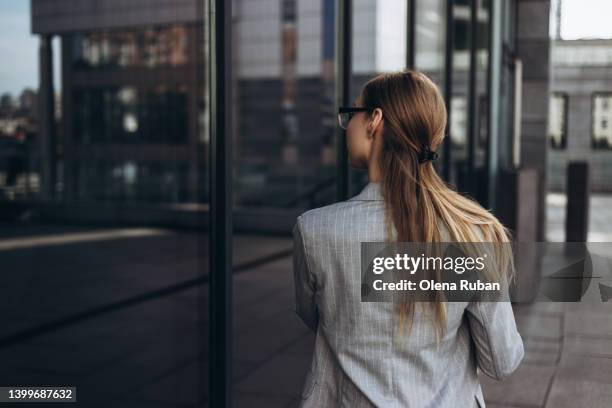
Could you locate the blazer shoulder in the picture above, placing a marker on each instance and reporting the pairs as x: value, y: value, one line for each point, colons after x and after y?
x: 322, y: 215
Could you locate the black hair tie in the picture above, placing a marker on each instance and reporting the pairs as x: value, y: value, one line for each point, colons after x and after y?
x: 427, y: 154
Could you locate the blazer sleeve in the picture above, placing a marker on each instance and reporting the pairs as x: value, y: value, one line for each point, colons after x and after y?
x: 499, y: 346
x: 304, y: 281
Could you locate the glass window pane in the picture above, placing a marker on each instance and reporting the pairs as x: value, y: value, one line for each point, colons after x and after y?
x: 481, y: 98
x: 430, y: 39
x: 379, y: 45
x: 285, y: 123
x: 285, y: 137
x: 459, y: 100
x: 103, y: 249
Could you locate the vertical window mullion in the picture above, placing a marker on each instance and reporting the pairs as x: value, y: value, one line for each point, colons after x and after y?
x: 343, y: 88
x: 220, y: 217
x: 448, y: 84
x: 410, y: 31
x: 472, y: 95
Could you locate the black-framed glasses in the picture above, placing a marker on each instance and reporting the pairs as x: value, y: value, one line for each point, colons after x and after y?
x: 345, y: 114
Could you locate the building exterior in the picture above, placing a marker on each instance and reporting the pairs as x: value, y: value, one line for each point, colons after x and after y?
x: 132, y: 100
x: 580, y: 127
x: 134, y: 95
x: 293, y: 97
x: 137, y: 110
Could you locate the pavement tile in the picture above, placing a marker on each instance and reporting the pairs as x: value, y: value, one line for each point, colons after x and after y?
x: 259, y: 343
x: 179, y: 387
x: 282, y: 375
x: 147, y: 355
x: 582, y: 382
x: 579, y: 393
x: 526, y: 386
x: 594, y: 347
x: 541, y: 351
x: 588, y: 324
x: 539, y: 327
x: 255, y: 400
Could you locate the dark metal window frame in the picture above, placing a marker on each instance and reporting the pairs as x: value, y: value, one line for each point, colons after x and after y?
x: 494, y: 100
x: 448, y: 86
x: 410, y: 31
x: 220, y: 218
x: 471, y: 99
x: 344, y: 56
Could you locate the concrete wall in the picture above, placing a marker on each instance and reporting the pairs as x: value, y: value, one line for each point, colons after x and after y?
x: 579, y: 77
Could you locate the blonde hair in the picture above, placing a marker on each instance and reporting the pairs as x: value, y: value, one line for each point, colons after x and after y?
x: 417, y: 201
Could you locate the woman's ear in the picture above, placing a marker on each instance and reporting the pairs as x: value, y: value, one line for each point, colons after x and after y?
x: 375, y: 120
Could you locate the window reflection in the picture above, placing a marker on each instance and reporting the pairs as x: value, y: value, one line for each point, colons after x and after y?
x: 129, y: 115
x: 152, y: 47
x: 379, y: 40
x: 469, y: 119
x: 131, y: 181
x: 459, y: 98
x: 430, y: 39
x: 284, y: 115
x: 134, y: 118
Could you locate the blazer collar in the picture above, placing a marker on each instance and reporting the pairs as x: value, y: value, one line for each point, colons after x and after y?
x: 371, y: 192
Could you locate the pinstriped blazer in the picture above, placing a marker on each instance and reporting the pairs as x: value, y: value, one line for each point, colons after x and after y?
x: 355, y: 363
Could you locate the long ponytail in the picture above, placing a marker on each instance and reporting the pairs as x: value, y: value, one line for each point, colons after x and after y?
x: 419, y: 205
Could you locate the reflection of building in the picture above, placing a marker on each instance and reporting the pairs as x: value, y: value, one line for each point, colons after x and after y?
x: 286, y: 124
x: 18, y: 139
x: 580, y: 119
x: 18, y: 115
x: 133, y: 95
x: 132, y: 87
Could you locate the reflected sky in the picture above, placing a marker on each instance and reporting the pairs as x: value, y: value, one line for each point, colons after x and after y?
x: 19, y: 49
x: 584, y: 19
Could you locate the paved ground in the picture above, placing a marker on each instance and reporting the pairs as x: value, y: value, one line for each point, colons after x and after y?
x: 108, y: 327
x: 600, y: 215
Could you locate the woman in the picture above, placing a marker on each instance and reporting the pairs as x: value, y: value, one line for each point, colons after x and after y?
x: 393, y: 130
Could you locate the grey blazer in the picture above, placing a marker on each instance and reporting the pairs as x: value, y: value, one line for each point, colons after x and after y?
x: 355, y: 362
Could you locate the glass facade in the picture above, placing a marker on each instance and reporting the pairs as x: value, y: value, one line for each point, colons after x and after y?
x: 430, y: 39
x: 132, y: 91
x: 134, y: 109
x: 380, y: 43
x: 285, y: 127
x: 130, y: 170
x: 469, y: 97
x: 125, y: 276
x: 107, y: 248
